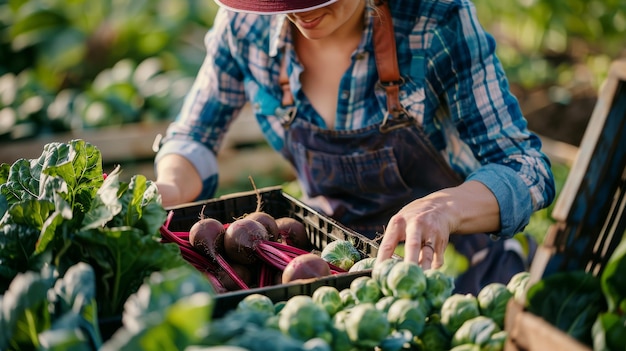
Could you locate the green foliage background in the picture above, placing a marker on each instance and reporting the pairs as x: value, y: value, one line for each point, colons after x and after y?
x: 81, y: 64
x: 70, y: 65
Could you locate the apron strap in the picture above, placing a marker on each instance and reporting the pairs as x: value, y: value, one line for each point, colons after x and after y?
x: 386, y: 58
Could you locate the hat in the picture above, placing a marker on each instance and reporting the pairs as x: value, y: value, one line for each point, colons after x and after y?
x: 270, y: 7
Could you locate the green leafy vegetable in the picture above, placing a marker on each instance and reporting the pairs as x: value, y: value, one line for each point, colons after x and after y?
x: 42, y: 311
x: 613, y: 279
x: 609, y: 332
x: 569, y: 300
x: 59, y: 210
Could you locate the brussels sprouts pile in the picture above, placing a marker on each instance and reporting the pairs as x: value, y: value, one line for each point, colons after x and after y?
x: 399, y: 307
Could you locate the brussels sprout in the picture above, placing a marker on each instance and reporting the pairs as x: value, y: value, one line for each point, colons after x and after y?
x: 406, y: 280
x: 434, y: 337
x: 341, y: 341
x: 362, y: 265
x: 328, y: 297
x: 439, y: 287
x: 457, y: 309
x: 272, y: 322
x: 365, y: 289
x: 396, y: 341
x: 405, y: 314
x: 496, y: 342
x: 466, y: 347
x: 492, y: 301
x: 256, y: 302
x: 316, y: 344
x: 385, y: 302
x: 380, y: 273
x: 366, y: 326
x: 477, y: 330
x: 518, y: 284
x: 347, y: 297
x: 341, y: 253
x: 303, y: 319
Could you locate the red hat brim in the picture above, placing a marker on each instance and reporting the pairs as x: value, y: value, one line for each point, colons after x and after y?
x: 270, y: 7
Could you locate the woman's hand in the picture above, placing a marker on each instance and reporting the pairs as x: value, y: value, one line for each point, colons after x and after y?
x: 177, y: 180
x: 425, y: 224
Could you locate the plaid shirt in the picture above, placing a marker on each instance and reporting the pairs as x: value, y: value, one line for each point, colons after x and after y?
x: 454, y: 85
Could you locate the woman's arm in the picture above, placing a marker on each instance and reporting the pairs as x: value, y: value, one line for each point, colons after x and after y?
x: 178, y: 180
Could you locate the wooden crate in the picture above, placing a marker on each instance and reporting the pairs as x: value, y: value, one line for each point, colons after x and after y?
x: 589, y: 214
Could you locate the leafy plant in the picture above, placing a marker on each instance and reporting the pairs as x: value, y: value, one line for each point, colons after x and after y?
x: 44, y: 309
x: 545, y: 42
x: 60, y: 210
x: 69, y: 65
x: 569, y: 300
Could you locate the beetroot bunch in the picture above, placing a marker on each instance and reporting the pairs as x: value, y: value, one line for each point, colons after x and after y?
x: 255, y: 250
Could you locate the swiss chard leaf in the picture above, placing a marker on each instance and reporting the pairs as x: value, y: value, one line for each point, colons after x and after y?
x: 105, y: 205
x: 25, y: 310
x: 569, y: 300
x: 122, y: 257
x: 79, y: 164
x: 141, y: 207
x: 613, y: 278
x: 21, y: 184
x: 75, y: 300
x: 170, y: 310
x: 161, y: 290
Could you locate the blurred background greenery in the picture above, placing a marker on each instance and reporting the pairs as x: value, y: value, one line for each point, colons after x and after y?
x: 80, y: 64
x: 75, y: 65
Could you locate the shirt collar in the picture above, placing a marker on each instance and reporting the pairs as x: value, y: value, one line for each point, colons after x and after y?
x: 279, y: 34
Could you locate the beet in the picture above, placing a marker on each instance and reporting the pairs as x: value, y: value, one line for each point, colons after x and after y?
x: 305, y: 267
x: 241, y: 239
x: 292, y: 232
x: 207, y: 236
x: 267, y: 221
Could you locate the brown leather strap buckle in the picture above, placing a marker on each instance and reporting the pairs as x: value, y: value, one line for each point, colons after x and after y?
x: 399, y: 119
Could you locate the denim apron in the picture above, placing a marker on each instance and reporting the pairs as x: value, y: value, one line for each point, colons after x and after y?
x: 363, y: 177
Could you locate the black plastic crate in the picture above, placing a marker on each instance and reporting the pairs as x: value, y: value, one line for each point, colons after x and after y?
x: 321, y: 230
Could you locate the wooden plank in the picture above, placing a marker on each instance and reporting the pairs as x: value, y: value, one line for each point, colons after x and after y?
x: 528, y: 332
x: 128, y: 142
x: 590, y: 139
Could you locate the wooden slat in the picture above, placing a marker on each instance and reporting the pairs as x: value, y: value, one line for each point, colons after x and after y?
x: 595, y: 126
x: 528, y: 332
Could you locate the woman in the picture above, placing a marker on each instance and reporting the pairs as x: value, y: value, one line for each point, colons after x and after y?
x: 396, y: 116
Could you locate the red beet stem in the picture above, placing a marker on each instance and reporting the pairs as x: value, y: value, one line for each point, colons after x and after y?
x: 168, y: 236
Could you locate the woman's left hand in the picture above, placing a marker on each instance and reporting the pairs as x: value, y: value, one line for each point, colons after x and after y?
x: 425, y: 224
